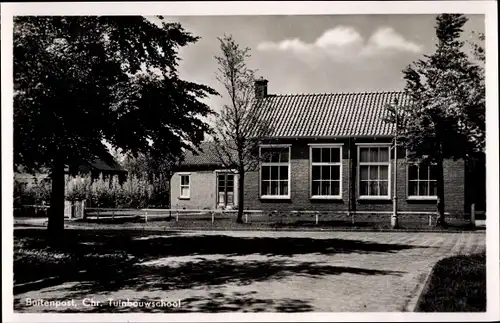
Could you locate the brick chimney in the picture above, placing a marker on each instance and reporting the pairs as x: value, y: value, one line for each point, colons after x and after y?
x: 260, y: 88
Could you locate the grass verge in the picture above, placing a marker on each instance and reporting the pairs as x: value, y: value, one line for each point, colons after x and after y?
x: 456, y: 284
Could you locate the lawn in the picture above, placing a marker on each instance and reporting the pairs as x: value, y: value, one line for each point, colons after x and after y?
x: 457, y: 284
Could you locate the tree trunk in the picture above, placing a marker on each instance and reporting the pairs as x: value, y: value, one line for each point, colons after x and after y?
x: 55, y: 227
x: 241, y: 180
x: 440, y: 194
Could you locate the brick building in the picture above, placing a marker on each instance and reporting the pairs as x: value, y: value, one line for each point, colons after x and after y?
x: 325, y: 152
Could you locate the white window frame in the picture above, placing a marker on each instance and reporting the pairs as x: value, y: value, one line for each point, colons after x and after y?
x: 417, y: 197
x: 226, y: 171
x: 311, y: 164
x: 388, y: 163
x: 184, y: 197
x: 275, y: 197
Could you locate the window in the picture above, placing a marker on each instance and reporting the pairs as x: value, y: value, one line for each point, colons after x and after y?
x: 225, y: 189
x: 326, y: 171
x: 185, y: 190
x: 275, y: 171
x: 374, y: 170
x: 422, y: 181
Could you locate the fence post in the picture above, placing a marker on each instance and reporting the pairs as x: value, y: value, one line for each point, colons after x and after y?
x: 316, y: 216
x: 97, y: 212
x: 352, y: 217
x: 246, y: 217
x: 430, y: 219
x: 213, y: 215
x: 177, y: 216
x: 473, y: 214
x: 145, y: 216
x: 113, y: 214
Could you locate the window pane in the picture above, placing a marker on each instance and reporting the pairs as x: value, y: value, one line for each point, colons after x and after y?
x: 221, y: 198
x: 316, y: 155
x: 363, y: 172
x: 325, y: 188
x: 325, y: 155
x: 363, y: 188
x: 325, y: 172
x: 433, y: 188
x: 275, y: 156
x: 424, y: 172
x: 364, y: 154
x: 413, y: 188
x: 383, y: 172
x: 335, y: 172
x: 230, y: 177
x: 283, y: 187
x: 423, y: 188
x: 383, y: 155
x: 374, y: 154
x: 184, y: 180
x: 283, y: 172
x: 335, y: 158
x: 316, y: 171
x: 373, y: 172
x: 230, y: 198
x: 433, y: 174
x: 373, y: 190
x: 274, y: 187
x: 284, y: 155
x: 335, y: 187
x: 274, y: 172
x: 316, y: 188
x: 266, y: 188
x: 384, y: 187
x: 265, y: 172
x: 412, y: 172
x: 184, y: 191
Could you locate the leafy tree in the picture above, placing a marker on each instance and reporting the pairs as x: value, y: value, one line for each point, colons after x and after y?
x: 82, y: 80
x: 445, y: 115
x: 239, y: 127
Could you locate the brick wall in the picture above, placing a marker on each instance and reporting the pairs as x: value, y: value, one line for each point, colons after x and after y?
x: 300, y: 186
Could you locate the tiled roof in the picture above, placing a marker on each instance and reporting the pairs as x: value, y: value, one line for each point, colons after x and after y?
x: 106, y: 166
x: 206, y: 155
x: 329, y: 115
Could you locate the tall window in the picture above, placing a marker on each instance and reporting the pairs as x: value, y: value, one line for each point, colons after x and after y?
x: 374, y: 165
x: 275, y: 172
x: 422, y: 181
x: 185, y: 188
x: 225, y: 189
x: 326, y: 171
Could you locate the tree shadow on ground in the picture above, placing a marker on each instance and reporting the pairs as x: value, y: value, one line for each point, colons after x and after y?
x: 207, y: 273
x: 108, y: 261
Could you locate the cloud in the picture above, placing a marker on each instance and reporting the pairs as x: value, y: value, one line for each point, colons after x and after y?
x: 386, y: 38
x: 345, y: 43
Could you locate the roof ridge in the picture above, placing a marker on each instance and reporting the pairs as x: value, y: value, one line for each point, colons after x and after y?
x: 335, y: 93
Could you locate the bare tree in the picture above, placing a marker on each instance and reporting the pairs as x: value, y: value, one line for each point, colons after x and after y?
x: 239, y: 128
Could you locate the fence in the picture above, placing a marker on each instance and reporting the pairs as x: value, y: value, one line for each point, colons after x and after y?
x: 296, y: 217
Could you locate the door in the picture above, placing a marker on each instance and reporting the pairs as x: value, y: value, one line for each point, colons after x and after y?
x: 225, y: 190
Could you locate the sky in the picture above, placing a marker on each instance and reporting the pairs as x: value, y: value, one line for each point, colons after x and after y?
x: 314, y: 54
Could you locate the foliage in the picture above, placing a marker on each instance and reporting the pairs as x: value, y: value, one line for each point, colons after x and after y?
x: 32, y: 193
x: 80, y: 81
x: 445, y: 114
x: 238, y: 128
x: 445, y: 117
x: 134, y: 192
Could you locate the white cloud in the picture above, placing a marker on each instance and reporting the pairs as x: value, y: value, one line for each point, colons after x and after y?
x: 344, y: 43
x: 386, y: 38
